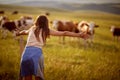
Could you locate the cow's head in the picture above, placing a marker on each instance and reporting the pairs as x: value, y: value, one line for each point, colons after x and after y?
x: 112, y: 28
x: 3, y: 19
x: 93, y: 25
x: 27, y: 20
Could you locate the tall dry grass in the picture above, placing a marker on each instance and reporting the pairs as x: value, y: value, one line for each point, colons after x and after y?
x: 69, y: 61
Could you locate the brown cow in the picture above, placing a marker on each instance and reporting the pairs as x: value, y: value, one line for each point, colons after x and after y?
x: 65, y: 26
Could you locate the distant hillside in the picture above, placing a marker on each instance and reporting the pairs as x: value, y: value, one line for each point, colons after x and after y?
x: 110, y: 8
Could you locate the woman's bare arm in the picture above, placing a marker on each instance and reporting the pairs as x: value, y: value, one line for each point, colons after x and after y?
x: 56, y: 33
x: 23, y: 32
x: 73, y: 34
x: 66, y: 33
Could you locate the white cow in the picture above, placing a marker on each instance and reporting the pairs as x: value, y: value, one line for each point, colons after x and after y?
x: 88, y: 28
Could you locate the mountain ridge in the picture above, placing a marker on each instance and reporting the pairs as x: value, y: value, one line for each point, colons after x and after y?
x: 106, y: 7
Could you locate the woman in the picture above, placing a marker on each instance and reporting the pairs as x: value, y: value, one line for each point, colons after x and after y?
x: 32, y: 57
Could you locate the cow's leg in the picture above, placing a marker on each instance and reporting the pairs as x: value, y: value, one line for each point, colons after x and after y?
x: 91, y: 40
x: 0, y: 28
x: 59, y: 39
x: 14, y: 34
x: 4, y: 33
x: 119, y: 38
x: 85, y: 43
x: 63, y: 40
x: 115, y: 38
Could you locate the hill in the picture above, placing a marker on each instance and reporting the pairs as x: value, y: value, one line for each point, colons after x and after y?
x: 108, y: 7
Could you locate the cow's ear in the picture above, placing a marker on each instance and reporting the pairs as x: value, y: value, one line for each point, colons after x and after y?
x: 51, y: 22
x: 96, y: 26
x: 76, y: 23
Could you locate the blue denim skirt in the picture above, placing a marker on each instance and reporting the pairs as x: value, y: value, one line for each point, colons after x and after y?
x: 32, y: 62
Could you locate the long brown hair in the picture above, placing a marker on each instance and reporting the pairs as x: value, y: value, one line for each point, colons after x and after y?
x: 42, y: 24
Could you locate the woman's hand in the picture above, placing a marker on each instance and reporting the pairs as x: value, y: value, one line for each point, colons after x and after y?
x: 17, y: 34
x: 23, y: 32
x: 84, y: 35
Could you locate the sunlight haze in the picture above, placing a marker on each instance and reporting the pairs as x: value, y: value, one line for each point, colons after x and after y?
x: 67, y: 1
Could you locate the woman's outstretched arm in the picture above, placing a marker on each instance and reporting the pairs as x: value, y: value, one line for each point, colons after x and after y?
x: 23, y: 32
x: 67, y: 33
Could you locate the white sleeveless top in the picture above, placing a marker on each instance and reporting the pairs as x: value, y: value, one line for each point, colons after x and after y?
x: 32, y: 41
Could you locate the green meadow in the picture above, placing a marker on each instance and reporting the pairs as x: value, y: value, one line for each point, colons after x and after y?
x: 69, y: 61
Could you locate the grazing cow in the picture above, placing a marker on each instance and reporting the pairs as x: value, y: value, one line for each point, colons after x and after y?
x: 7, y: 25
x: 47, y: 14
x: 24, y: 23
x: 115, y: 31
x: 64, y: 26
x: 83, y: 26
x: 2, y: 12
x: 15, y: 12
x: 17, y: 25
x: 3, y: 19
x: 88, y: 28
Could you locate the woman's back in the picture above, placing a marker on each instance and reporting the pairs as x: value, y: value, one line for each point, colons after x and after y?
x: 32, y: 41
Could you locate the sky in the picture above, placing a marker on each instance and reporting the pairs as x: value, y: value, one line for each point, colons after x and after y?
x: 72, y: 1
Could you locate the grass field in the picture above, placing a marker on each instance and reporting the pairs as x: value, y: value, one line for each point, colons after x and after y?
x: 70, y: 61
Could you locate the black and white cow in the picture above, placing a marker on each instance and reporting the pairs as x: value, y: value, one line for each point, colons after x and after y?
x: 23, y: 23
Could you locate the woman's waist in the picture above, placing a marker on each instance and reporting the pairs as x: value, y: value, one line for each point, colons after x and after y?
x: 35, y: 44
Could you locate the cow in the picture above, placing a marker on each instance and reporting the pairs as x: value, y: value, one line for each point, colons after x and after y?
x: 14, y: 12
x: 24, y: 23
x: 83, y: 26
x: 47, y: 14
x: 16, y: 25
x: 3, y: 19
x: 115, y: 31
x: 64, y: 25
x: 3, y: 30
x: 2, y: 12
x: 88, y: 28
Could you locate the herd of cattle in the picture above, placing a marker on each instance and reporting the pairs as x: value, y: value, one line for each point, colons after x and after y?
x: 14, y: 12
x: 25, y: 22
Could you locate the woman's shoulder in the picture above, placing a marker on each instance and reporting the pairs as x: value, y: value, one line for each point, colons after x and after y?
x: 33, y: 28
